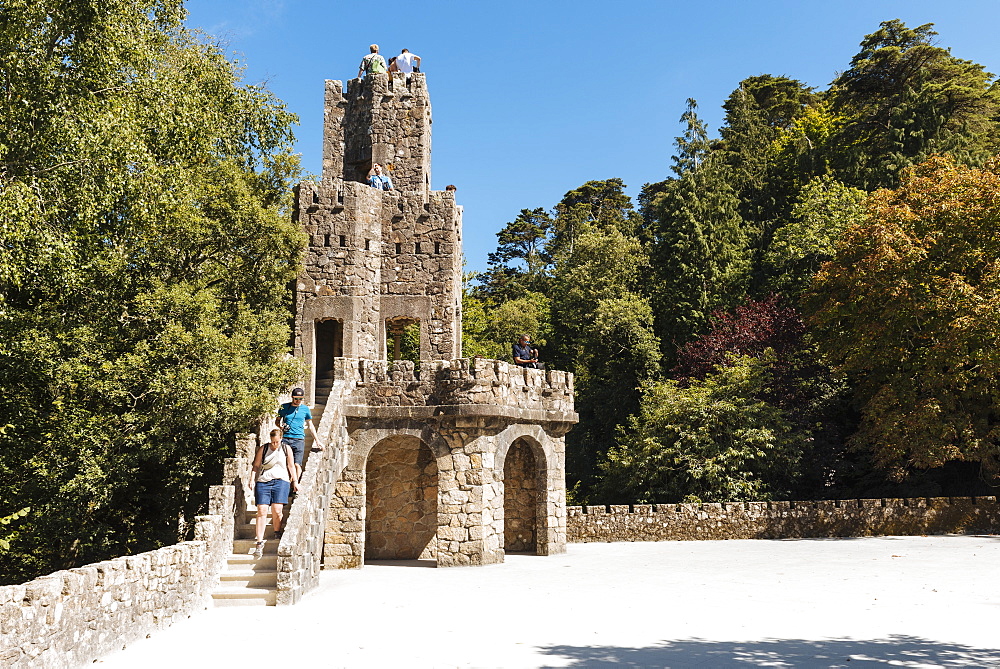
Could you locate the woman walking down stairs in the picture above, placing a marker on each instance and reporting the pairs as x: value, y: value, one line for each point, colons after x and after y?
x: 247, y: 580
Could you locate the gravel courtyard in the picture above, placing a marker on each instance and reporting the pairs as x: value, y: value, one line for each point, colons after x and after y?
x: 868, y: 602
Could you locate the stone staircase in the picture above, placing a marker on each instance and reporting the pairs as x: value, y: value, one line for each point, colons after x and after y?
x: 246, y: 581
x: 324, y: 384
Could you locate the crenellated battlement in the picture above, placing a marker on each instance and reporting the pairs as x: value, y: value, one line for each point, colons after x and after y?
x: 783, y: 519
x: 493, y: 387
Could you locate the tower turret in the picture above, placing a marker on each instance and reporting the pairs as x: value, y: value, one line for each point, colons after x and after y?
x: 381, y: 119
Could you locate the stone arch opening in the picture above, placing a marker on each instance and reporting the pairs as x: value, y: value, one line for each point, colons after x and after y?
x: 401, y: 500
x: 522, y: 498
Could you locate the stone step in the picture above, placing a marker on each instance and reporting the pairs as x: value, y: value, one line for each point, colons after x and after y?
x: 245, y: 597
x: 249, y: 531
x: 249, y: 577
x: 246, y: 546
x: 238, y: 561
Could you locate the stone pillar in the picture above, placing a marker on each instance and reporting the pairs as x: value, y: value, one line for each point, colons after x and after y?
x: 552, y: 509
x: 344, y: 541
x: 333, y: 130
x: 468, y: 498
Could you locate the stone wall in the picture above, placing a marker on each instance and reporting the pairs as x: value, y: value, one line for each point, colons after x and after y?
x: 380, y: 119
x: 378, y: 255
x: 71, y: 618
x: 784, y: 520
x: 401, y: 501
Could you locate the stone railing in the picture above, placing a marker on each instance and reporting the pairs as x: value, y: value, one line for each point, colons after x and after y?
x: 300, y: 552
x: 70, y: 618
x: 783, y: 520
x: 462, y: 382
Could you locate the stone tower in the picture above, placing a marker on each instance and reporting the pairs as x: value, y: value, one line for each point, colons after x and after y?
x: 378, y: 259
x: 453, y: 460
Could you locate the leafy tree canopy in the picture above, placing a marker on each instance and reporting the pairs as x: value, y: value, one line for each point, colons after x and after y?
x: 145, y: 250
x: 712, y: 440
x: 906, y: 99
x: 910, y: 309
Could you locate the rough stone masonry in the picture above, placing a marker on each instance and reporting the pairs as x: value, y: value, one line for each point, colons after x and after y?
x: 424, y: 467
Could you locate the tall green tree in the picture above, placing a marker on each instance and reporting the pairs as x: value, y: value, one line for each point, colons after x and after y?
x: 522, y: 261
x: 699, y: 248
x: 145, y: 250
x: 602, y: 331
x: 823, y: 210
x: 905, y: 99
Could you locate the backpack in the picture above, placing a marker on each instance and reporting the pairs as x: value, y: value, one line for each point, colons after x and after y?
x: 376, y: 64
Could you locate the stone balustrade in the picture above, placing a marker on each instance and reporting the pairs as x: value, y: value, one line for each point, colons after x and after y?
x: 70, y: 618
x: 300, y: 552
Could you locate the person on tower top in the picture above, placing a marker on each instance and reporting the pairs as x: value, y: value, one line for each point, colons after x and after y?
x: 404, y: 63
x: 373, y: 63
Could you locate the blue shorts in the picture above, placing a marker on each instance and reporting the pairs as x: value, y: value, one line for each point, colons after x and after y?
x: 298, y: 447
x: 271, y: 492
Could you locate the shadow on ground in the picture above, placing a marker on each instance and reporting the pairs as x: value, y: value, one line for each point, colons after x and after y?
x: 403, y: 563
x: 895, y: 651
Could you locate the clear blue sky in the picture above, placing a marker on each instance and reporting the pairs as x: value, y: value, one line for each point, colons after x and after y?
x: 532, y: 99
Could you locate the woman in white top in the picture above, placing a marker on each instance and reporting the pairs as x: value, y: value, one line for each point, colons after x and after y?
x: 273, y: 473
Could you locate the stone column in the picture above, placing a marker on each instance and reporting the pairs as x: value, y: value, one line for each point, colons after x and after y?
x: 344, y: 541
x: 552, y: 514
x: 468, y: 497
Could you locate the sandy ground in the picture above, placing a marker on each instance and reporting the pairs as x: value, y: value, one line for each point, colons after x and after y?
x: 871, y: 602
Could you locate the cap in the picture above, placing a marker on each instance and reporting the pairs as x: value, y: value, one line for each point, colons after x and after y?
x: 298, y: 392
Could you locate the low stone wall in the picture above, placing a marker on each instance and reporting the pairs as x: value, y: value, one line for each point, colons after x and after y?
x: 70, y: 618
x: 464, y: 381
x: 300, y: 552
x: 784, y: 520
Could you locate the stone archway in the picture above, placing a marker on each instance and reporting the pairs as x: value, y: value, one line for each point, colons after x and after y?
x: 401, y: 500
x: 521, y: 498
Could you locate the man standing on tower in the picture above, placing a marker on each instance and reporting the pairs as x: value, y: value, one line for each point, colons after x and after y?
x: 404, y: 63
x: 373, y: 63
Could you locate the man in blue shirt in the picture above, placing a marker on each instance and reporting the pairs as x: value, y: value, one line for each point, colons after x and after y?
x: 524, y: 354
x: 293, y: 419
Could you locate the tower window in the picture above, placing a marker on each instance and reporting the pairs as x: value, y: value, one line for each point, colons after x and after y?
x: 417, y: 249
x: 343, y: 240
x: 399, y: 248
x: 326, y: 240
x: 437, y: 247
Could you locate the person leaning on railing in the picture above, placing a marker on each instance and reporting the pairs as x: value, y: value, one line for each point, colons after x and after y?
x: 524, y: 354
